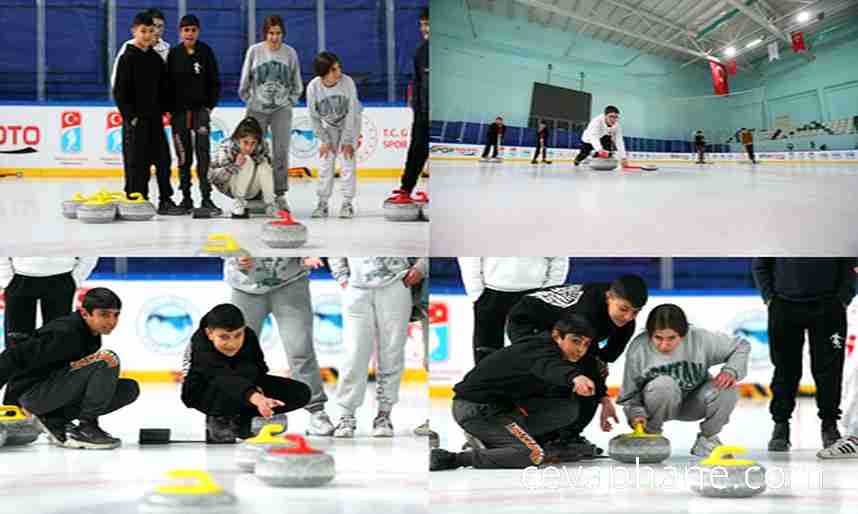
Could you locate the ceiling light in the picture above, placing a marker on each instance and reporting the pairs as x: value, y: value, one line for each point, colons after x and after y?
x: 729, y: 51
x: 754, y: 43
x: 803, y: 16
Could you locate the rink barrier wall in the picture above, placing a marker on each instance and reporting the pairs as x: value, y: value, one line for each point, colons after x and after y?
x: 83, y: 140
x: 159, y: 317
x: 463, y: 152
x: 451, y: 329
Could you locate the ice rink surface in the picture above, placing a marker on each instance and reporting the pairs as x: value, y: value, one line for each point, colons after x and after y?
x: 31, y: 210
x: 797, y: 481
x: 373, y: 475
x: 520, y: 209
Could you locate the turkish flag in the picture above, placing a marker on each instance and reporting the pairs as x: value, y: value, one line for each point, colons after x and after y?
x: 719, y: 78
x: 798, y: 42
x: 731, y: 67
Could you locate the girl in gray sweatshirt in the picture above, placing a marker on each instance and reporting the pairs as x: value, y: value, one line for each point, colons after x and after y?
x: 335, y: 111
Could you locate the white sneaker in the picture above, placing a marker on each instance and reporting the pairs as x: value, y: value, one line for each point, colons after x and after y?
x: 346, y: 427
x: 381, y: 425
x: 423, y: 429
x: 704, y: 445
x: 320, y: 424
x: 347, y: 211
x: 321, y: 210
x: 282, y: 204
x: 845, y: 448
x: 239, y: 207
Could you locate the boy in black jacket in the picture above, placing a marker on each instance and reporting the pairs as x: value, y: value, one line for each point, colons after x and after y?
x: 195, y: 90
x: 542, y: 136
x: 517, y: 396
x: 227, y: 378
x: 61, y: 374
x: 140, y: 92
x: 610, y: 308
x: 495, y: 139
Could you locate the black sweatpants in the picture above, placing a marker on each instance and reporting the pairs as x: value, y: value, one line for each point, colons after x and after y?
x: 491, y: 144
x: 750, y: 150
x: 55, y: 296
x: 186, y: 124
x: 213, y: 401
x: 87, y: 389
x: 587, y: 148
x: 701, y: 150
x: 825, y: 323
x: 540, y: 147
x: 490, y: 312
x: 418, y: 152
x: 510, y: 434
x: 146, y: 145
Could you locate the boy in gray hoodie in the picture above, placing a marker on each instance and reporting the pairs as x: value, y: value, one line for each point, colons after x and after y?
x: 336, y: 115
x: 666, y: 376
x: 270, y: 87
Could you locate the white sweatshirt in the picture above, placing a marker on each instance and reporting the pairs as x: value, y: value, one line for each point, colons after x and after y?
x: 511, y: 273
x: 270, y: 79
x: 163, y: 49
x: 80, y: 267
x: 335, y: 107
x: 598, y: 128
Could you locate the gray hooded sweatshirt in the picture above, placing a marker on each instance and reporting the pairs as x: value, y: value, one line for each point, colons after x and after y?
x: 265, y: 275
x: 270, y: 80
x: 688, y: 364
x: 336, y: 107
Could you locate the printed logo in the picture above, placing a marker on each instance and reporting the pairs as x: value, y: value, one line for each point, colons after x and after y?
x: 114, y: 133
x: 218, y: 131
x: 836, y: 340
x: 439, y: 332
x: 328, y: 324
x: 563, y: 296
x: 368, y: 140
x: 17, y: 135
x: 304, y: 143
x: 166, y: 324
x: 70, y: 132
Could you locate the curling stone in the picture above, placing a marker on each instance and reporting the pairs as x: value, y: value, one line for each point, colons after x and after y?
x: 422, y: 200
x: 248, y: 452
x: 284, y: 232
x: 258, y: 422
x: 600, y: 164
x: 70, y: 206
x: 21, y: 429
x: 401, y: 210
x: 296, y: 466
x: 99, y: 209
x: 2, y: 435
x: 201, y: 496
x: 222, y: 245
x: 639, y: 445
x: 136, y: 208
x: 724, y: 476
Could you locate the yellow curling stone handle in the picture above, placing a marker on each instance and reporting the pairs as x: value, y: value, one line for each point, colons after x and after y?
x: 229, y: 244
x: 202, y: 483
x: 266, y: 435
x: 17, y: 416
x: 716, y: 458
x: 79, y: 198
x: 639, y: 432
x: 134, y: 198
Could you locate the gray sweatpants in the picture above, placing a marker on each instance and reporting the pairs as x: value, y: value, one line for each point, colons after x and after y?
x: 374, y: 314
x: 290, y: 305
x: 328, y: 169
x: 664, y: 402
x: 280, y: 123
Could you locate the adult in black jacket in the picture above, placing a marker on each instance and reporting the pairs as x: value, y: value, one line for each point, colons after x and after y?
x: 516, y: 396
x: 227, y: 378
x: 610, y: 308
x: 494, y: 137
x: 542, y: 136
x: 141, y: 93
x: 61, y: 374
x: 195, y: 91
x: 806, y: 294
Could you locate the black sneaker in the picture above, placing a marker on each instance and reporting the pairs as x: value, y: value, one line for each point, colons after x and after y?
x: 580, y: 439
x: 564, y: 450
x: 780, y: 438
x: 167, y: 207
x: 441, y: 460
x: 187, y: 203
x: 221, y: 429
x: 830, y: 433
x: 88, y: 435
x: 54, y: 428
x: 208, y: 204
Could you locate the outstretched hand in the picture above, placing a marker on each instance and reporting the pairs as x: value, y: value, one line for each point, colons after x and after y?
x: 265, y: 405
x: 608, y: 413
x: 724, y: 380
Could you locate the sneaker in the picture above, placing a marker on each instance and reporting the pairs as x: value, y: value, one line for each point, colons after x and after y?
x: 271, y: 210
x: 703, y: 446
x: 346, y: 427
x: 399, y: 196
x: 208, y: 204
x: 88, y: 435
x: 423, y: 429
x: 584, y: 442
x: 320, y: 424
x: 534, y: 162
x: 54, y: 428
x: 321, y: 210
x: 187, y: 203
x: 221, y: 429
x: 441, y: 460
x: 546, y: 162
x: 473, y: 443
x: 484, y: 159
x: 381, y: 425
x: 347, y: 210
x: 239, y: 209
x: 258, y: 422
x: 830, y: 433
x: 780, y: 438
x: 282, y: 204
x: 845, y: 448
x: 166, y: 207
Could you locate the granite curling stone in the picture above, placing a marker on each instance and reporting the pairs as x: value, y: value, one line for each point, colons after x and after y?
x: 284, y: 232
x: 724, y: 476
x: 99, y: 209
x: 297, y: 466
x: 222, y: 245
x: 603, y: 164
x: 136, y: 208
x: 639, y: 446
x: 401, y: 209
x: 248, y: 451
x: 70, y: 206
x: 200, y: 496
x: 20, y: 428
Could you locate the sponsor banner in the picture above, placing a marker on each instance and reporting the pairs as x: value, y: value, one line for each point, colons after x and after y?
x: 744, y: 315
x: 159, y: 317
x: 91, y: 137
